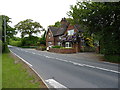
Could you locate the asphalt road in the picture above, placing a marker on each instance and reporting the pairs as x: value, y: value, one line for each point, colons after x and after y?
x: 61, y: 71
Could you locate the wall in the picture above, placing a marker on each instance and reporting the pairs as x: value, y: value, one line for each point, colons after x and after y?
x: 60, y: 50
x: 51, y: 39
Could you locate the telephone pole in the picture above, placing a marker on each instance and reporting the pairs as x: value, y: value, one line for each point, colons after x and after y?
x: 4, y: 24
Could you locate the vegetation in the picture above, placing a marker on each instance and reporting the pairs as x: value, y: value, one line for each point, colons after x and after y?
x: 30, y: 41
x: 102, y: 21
x: 56, y: 46
x: 15, y: 75
x: 0, y: 71
x: 57, y: 24
x: 28, y: 27
x: 43, y: 39
x: 10, y: 32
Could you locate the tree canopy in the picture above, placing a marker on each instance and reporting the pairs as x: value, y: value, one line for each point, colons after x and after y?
x: 28, y: 27
x: 103, y: 20
x: 10, y: 31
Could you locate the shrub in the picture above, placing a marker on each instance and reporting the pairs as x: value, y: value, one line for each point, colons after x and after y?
x: 15, y: 43
x: 30, y: 41
x: 56, y: 46
x: 112, y: 58
x: 66, y: 48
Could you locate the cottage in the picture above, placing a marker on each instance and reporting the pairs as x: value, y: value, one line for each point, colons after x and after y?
x: 69, y: 36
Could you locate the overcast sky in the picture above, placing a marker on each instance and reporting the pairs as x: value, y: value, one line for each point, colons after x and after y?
x: 46, y: 12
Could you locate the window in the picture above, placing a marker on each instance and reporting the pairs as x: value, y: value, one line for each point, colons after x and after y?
x: 49, y: 43
x: 49, y: 35
x: 68, y: 44
x: 59, y: 43
x: 59, y: 37
x: 71, y: 32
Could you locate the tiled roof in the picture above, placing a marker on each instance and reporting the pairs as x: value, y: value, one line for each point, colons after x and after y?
x: 58, y: 31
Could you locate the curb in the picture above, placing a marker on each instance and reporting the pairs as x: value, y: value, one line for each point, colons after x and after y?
x: 30, y: 67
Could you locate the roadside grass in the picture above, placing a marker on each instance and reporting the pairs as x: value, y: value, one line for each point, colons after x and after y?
x: 0, y: 71
x: 15, y: 74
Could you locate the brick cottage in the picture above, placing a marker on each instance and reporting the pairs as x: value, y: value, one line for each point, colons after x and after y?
x: 67, y: 35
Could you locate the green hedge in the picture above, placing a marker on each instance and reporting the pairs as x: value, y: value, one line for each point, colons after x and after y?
x: 56, y: 46
x: 15, y: 43
x: 112, y: 58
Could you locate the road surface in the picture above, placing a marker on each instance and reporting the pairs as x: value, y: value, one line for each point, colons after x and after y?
x: 61, y: 71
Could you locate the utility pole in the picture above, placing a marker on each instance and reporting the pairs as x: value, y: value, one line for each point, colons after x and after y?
x: 4, y: 22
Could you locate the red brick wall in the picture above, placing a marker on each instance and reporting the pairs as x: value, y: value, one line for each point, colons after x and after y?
x: 51, y: 39
x: 60, y: 50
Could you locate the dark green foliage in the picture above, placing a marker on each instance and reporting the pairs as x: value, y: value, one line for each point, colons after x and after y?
x: 28, y: 46
x: 43, y: 39
x: 57, y: 24
x: 112, y: 58
x: 5, y: 48
x: 102, y: 20
x: 30, y: 41
x: 10, y: 32
x: 56, y: 46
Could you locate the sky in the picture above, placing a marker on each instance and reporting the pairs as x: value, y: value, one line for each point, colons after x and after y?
x: 46, y: 12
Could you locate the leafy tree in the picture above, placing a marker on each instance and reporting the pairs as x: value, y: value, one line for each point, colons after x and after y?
x: 57, y: 24
x: 101, y: 19
x: 43, y: 39
x: 28, y: 27
x: 10, y: 32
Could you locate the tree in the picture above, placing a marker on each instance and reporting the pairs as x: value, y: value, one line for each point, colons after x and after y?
x: 28, y: 27
x: 10, y: 32
x: 57, y: 24
x: 43, y: 39
x: 4, y: 20
x: 101, y: 19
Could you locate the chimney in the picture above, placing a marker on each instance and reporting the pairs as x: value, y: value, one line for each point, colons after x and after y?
x: 64, y: 22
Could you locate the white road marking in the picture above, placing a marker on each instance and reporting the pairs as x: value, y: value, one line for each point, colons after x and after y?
x: 55, y: 84
x: 33, y: 53
x: 22, y: 59
x: 79, y: 64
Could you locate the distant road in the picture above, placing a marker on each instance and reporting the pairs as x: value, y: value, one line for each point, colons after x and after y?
x: 60, y: 71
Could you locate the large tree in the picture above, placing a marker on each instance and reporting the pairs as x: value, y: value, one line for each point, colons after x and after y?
x: 10, y: 31
x: 28, y: 27
x: 101, y: 19
x: 7, y: 31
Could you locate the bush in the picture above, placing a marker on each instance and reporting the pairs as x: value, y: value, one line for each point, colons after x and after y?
x: 56, y: 46
x: 30, y: 41
x: 66, y: 48
x: 112, y: 58
x: 15, y: 43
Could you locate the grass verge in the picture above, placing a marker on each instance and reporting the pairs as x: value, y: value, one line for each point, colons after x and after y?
x: 16, y: 74
x: 0, y: 71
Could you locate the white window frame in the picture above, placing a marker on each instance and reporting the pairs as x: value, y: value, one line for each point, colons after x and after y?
x: 68, y: 45
x: 59, y: 43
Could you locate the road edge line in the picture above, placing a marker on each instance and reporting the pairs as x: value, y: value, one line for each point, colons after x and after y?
x: 31, y: 68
